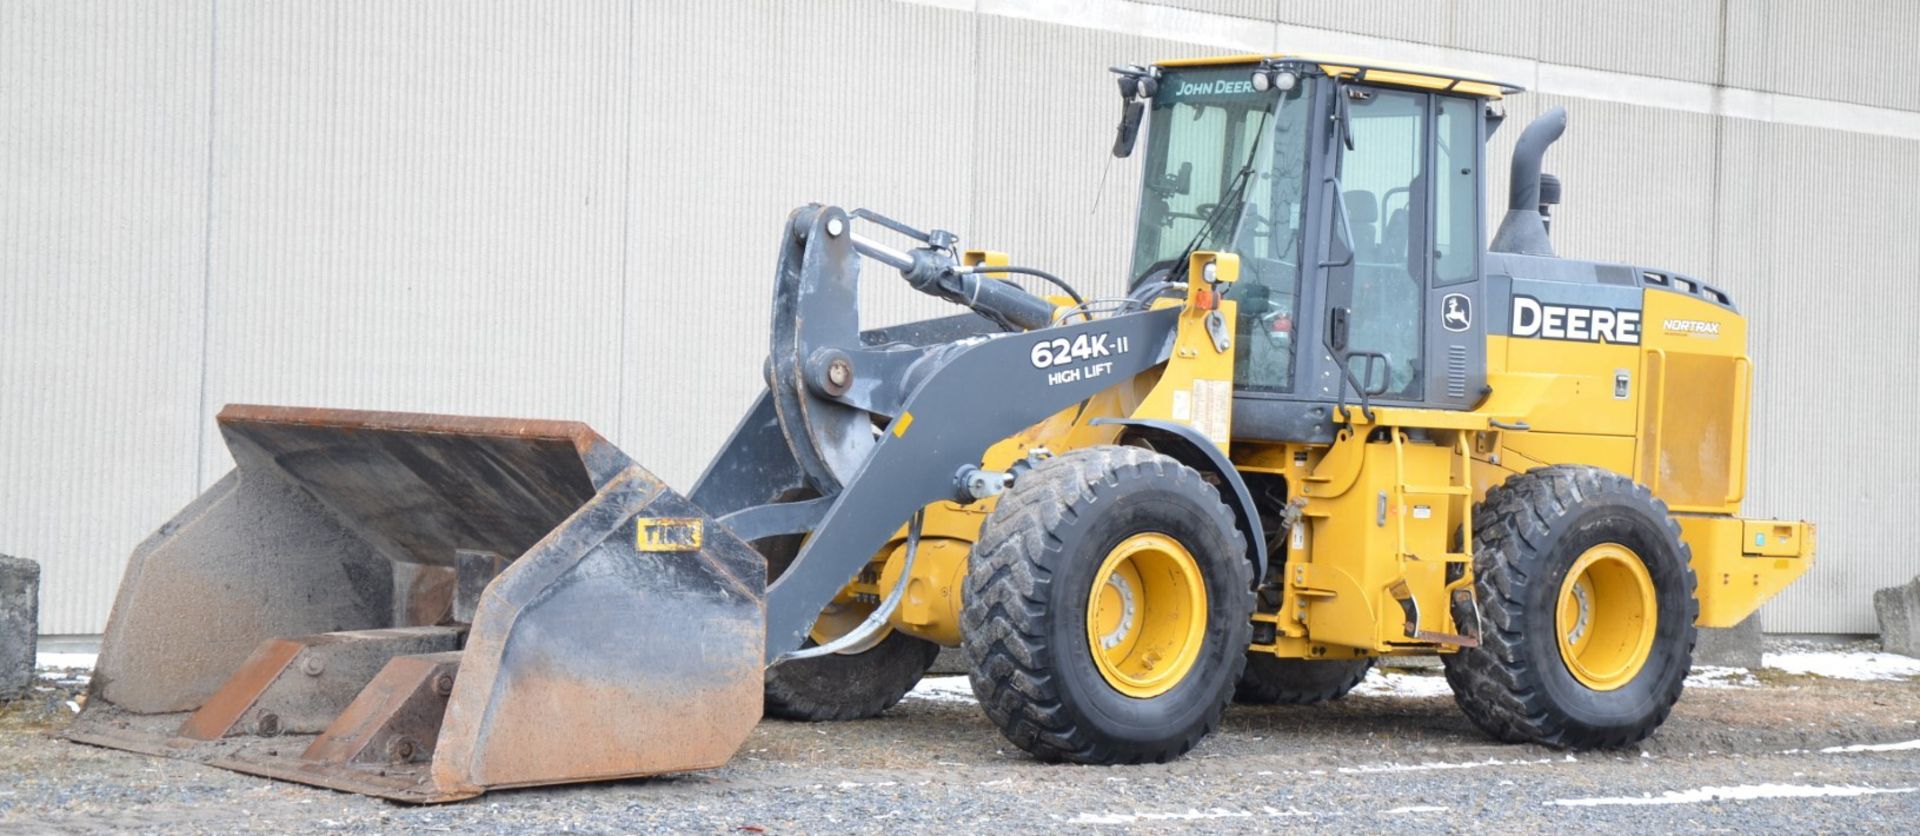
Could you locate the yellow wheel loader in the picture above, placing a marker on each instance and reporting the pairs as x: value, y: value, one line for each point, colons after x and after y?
x: 1325, y: 423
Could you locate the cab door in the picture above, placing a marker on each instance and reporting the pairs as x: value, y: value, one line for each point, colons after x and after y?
x: 1402, y: 275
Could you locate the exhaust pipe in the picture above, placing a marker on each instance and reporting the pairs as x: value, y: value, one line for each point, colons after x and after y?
x: 1524, y: 229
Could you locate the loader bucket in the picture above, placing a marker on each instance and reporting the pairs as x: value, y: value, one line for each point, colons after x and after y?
x: 425, y: 607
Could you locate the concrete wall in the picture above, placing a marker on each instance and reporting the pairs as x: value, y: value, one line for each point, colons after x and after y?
x: 570, y: 210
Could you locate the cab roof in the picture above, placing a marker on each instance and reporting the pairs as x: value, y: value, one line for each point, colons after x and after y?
x: 1377, y: 72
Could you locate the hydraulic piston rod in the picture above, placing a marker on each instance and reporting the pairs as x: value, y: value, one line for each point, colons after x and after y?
x: 932, y: 270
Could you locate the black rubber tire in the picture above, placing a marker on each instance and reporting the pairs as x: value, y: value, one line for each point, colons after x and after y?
x: 840, y: 687
x: 1025, y: 608
x: 1271, y: 680
x: 855, y: 687
x: 1526, y: 535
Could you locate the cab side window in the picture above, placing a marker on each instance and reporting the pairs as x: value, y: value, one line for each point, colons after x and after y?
x: 1456, y: 218
x: 1384, y: 183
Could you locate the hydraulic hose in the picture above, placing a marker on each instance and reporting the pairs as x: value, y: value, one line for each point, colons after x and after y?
x: 1056, y: 281
x: 863, y: 637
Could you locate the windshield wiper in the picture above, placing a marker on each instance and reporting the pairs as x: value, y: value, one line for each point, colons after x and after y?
x: 1235, y: 191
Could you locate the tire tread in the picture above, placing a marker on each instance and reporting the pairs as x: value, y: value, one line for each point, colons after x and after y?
x: 1005, y: 619
x: 1496, y: 683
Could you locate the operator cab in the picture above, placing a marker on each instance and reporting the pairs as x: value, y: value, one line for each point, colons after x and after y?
x: 1352, y: 195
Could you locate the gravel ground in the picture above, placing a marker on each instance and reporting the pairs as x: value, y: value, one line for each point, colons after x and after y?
x: 1771, y: 751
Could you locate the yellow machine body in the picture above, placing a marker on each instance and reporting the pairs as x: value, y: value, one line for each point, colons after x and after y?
x: 1382, y: 549
x: 1384, y: 506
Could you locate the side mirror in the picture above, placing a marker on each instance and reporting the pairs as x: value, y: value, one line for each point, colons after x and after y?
x: 1129, y: 127
x: 1131, y: 113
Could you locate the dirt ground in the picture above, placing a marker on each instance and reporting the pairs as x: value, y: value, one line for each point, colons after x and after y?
x: 1783, y: 752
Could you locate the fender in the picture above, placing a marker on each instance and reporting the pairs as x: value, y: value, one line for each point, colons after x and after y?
x: 1242, y: 503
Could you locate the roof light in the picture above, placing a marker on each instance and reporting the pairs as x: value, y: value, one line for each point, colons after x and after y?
x: 1283, y: 80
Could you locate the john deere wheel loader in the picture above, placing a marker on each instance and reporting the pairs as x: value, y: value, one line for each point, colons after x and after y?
x: 1325, y: 424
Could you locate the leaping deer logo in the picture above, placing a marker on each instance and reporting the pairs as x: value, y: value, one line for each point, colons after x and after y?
x: 1456, y: 312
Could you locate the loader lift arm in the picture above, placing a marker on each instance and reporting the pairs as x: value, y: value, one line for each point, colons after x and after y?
x: 828, y: 390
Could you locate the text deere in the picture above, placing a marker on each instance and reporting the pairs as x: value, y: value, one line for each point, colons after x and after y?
x: 1579, y: 323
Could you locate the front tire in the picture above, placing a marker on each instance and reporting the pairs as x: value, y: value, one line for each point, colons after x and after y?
x: 840, y: 686
x: 1107, y: 609
x: 1587, y: 608
x: 849, y: 687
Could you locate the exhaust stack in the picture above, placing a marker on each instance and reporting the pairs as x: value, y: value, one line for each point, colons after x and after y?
x: 1524, y: 229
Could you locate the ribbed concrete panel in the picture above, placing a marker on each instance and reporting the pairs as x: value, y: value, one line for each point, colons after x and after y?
x: 417, y: 206
x: 1048, y: 107
x: 1256, y: 9
x: 1501, y: 27
x: 706, y: 206
x: 1678, y: 39
x: 1506, y: 27
x: 1836, y: 326
x: 1861, y: 52
x: 103, y: 157
x: 850, y: 102
x: 1407, y: 20
x: 1666, y: 221
x: 572, y: 210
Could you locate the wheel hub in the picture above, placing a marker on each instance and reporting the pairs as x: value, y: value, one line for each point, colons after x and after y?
x: 1124, y: 588
x: 1605, y: 617
x: 1146, y: 615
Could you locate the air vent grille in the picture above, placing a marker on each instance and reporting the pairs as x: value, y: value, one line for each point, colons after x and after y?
x: 1456, y: 371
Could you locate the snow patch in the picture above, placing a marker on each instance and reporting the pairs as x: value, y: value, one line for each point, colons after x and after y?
x: 1415, y: 809
x: 1843, y: 664
x: 1713, y: 676
x: 1377, y: 768
x: 1904, y: 746
x: 1210, y: 813
x: 1748, y: 792
x: 1396, y: 684
x: 65, y: 660
x: 943, y: 689
x: 1131, y: 818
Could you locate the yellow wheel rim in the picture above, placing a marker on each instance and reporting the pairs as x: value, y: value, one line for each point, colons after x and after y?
x: 1605, y: 618
x: 1147, y: 615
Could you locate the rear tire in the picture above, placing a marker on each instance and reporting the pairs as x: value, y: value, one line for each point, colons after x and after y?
x: 1106, y: 615
x: 1570, y: 562
x: 1271, y: 680
x: 855, y: 687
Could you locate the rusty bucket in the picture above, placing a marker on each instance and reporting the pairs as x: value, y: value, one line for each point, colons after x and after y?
x: 425, y: 607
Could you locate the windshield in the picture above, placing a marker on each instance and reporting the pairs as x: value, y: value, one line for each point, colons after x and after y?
x: 1224, y: 171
